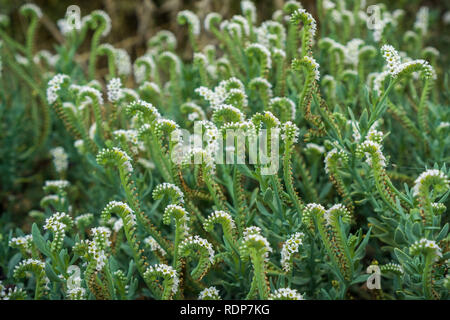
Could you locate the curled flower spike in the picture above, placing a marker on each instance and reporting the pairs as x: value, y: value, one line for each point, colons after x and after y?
x: 122, y: 209
x: 148, y: 111
x: 175, y: 211
x: 440, y: 183
x: 227, y: 113
x: 432, y: 253
x: 264, y: 87
x: 171, y: 280
x: 309, y: 25
x: 165, y: 127
x: 392, y: 267
x: 332, y: 161
x: 331, y: 234
x: 263, y: 54
x: 84, y: 220
x: 172, y: 59
x: 191, y: 19
x: 286, y: 294
x: 54, y: 85
x: 290, y: 133
x: 192, y: 245
x: 249, y: 10
x: 89, y: 92
x: 373, y: 152
x: 267, y: 118
x: 310, y: 64
x: 193, y: 110
x: 170, y: 190
x: 31, y: 9
x: 38, y: 269
x: 144, y: 68
x: 210, y: 293
x: 211, y: 20
x: 116, y: 157
x: 399, y: 70
x: 290, y: 247
x: 431, y: 177
x: 284, y: 107
x: 101, y: 17
x: 114, y: 89
x: 255, y: 246
x: 310, y: 211
x: 335, y: 212
x: 225, y: 220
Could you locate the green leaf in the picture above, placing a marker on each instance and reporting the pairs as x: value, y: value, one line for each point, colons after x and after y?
x: 51, y: 273
x: 363, y: 120
x: 360, y: 278
x: 443, y: 233
x: 268, y: 196
x: 39, y: 240
x: 402, y: 257
x: 399, y: 236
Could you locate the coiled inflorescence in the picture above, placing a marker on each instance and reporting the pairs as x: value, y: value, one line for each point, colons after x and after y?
x: 170, y: 276
x: 116, y: 157
x: 171, y: 190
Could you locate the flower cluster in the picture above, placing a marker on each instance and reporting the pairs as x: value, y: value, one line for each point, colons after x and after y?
x: 114, y: 89
x: 426, y: 246
x: 165, y: 271
x: 58, y: 222
x: 210, y: 293
x: 253, y: 239
x: 290, y: 247
x: 430, y: 176
x: 286, y: 294
x: 170, y: 189
x: 191, y: 18
x: 154, y: 246
x: 54, y: 85
x: 196, y: 240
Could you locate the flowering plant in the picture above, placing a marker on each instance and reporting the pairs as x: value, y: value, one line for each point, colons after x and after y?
x: 282, y: 160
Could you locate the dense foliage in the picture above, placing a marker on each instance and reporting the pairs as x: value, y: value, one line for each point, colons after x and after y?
x: 125, y: 212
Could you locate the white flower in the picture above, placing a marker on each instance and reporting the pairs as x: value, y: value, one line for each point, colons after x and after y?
x: 114, y: 89
x: 154, y: 246
x: 426, y: 245
x: 209, y: 293
x: 290, y: 247
x: 286, y: 294
x: 60, y: 159
x: 123, y: 62
x: 53, y: 87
